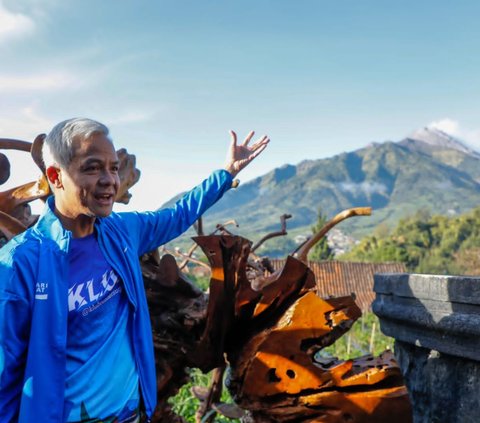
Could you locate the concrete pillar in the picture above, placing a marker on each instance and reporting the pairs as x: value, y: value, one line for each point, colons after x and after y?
x: 435, y: 321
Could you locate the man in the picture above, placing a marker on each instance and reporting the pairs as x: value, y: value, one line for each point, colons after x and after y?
x: 75, y: 336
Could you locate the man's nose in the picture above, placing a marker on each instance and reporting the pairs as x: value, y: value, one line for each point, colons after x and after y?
x: 108, y: 178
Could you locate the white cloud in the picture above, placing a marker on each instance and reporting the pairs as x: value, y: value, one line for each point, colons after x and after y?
x: 41, y: 82
x: 134, y: 116
x: 14, y: 24
x: 367, y: 187
x: 447, y: 125
x: 24, y: 123
x: 453, y: 127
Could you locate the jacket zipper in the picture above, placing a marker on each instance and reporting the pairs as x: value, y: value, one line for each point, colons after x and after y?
x: 130, y: 300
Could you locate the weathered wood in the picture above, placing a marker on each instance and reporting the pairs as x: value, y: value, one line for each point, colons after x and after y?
x: 36, y: 151
x: 211, y: 398
x: 129, y: 175
x: 277, y: 376
x: 281, y: 232
x: 4, y: 169
x: 13, y: 144
x: 23, y: 194
x: 15, y: 201
x: 10, y: 226
x: 273, y: 343
x: 302, y: 253
x: 226, y: 255
x: 198, y: 225
x: 177, y: 313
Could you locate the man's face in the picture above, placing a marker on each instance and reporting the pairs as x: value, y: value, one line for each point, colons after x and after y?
x: 90, y: 183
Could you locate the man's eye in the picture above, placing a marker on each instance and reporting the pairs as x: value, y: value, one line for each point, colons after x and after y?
x: 115, y: 168
x: 91, y: 168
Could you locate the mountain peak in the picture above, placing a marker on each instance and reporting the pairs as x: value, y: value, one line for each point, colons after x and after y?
x: 437, y: 138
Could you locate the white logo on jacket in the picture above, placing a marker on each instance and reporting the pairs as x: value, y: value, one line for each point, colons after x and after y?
x: 41, y: 291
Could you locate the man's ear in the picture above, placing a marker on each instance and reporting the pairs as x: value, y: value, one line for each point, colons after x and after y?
x: 53, y: 176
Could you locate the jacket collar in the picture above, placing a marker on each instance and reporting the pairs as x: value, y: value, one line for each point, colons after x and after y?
x: 49, y: 226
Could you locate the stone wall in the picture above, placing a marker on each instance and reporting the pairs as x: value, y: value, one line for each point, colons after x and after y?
x: 435, y: 321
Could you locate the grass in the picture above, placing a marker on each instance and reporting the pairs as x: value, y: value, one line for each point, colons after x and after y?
x: 185, y: 404
x: 363, y: 338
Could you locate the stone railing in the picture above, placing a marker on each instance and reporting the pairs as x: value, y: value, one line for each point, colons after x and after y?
x: 435, y: 321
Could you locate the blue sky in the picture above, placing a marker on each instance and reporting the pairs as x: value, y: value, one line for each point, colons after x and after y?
x: 170, y: 78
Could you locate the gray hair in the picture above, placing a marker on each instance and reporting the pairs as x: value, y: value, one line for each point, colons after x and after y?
x: 58, y: 146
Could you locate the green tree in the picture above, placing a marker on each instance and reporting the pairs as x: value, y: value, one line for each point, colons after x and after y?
x: 321, y: 250
x: 427, y: 244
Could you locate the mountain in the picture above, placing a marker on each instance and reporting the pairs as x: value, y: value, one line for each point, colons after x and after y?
x: 429, y: 170
x: 437, y: 140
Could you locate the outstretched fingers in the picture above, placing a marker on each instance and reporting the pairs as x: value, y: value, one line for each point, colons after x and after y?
x: 258, y: 149
x: 248, y: 138
x: 260, y: 143
x: 233, y: 136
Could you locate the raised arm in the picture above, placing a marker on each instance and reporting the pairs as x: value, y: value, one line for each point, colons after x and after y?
x: 157, y: 228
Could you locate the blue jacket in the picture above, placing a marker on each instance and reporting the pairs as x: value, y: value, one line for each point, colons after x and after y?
x: 34, y: 303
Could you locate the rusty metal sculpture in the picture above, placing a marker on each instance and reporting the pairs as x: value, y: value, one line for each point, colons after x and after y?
x: 270, y: 327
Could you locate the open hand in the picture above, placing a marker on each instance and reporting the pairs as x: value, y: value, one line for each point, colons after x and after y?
x: 241, y: 155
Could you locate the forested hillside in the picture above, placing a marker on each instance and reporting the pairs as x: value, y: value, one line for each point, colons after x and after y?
x: 427, y: 244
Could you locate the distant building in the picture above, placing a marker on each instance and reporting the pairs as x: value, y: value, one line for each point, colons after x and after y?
x: 301, y: 238
x: 339, y: 242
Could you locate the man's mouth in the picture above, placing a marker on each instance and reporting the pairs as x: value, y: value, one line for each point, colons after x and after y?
x: 104, y: 198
